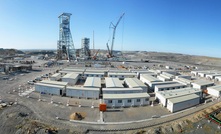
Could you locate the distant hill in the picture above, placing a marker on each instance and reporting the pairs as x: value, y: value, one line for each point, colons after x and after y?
x: 10, y: 52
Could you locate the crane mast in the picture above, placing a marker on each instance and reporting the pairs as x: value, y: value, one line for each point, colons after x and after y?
x: 110, y: 51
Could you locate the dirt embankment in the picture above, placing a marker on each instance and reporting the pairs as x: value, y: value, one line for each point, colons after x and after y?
x: 18, y: 119
x: 182, y: 125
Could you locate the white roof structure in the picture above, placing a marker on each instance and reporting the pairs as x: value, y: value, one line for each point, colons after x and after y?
x: 54, y: 82
x: 178, y: 92
x: 167, y: 75
x: 118, y: 71
x: 170, y: 85
x: 74, y: 69
x: 93, y: 82
x: 82, y: 88
x: 217, y: 87
x: 187, y: 81
x: 202, y: 82
x: 68, y: 71
x: 126, y: 96
x: 122, y: 89
x: 56, y: 75
x: 122, y: 74
x: 134, y: 82
x: 71, y: 75
x: 183, y: 98
x: 96, y: 70
x: 150, y: 78
x: 50, y: 85
x: 94, y: 73
x: 113, y: 83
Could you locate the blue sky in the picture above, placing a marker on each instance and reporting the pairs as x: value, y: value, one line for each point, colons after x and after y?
x: 179, y: 26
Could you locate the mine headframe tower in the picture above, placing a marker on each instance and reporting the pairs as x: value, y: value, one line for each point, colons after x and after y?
x: 65, y: 45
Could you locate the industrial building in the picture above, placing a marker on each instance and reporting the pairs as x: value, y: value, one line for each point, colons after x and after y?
x: 71, y: 78
x: 55, y: 77
x: 122, y: 75
x: 183, y: 102
x: 212, y: 76
x: 147, y: 79
x: 113, y: 83
x: 202, y: 84
x: 183, y: 81
x: 126, y: 100
x: 121, y: 90
x: 218, y: 78
x: 135, y: 83
x: 85, y: 47
x: 168, y: 87
x: 184, y: 76
x: 93, y: 74
x: 50, y: 88
x: 92, y: 82
x: 214, y: 90
x: 163, y: 77
x: 163, y: 96
x: 168, y: 75
x: 82, y: 92
x: 54, y: 82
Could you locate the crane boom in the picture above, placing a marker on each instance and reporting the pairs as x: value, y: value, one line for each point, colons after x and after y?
x: 113, y: 37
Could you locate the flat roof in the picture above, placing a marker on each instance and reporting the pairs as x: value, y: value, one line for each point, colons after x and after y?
x: 118, y: 71
x: 82, y: 88
x: 167, y: 74
x: 139, y: 70
x: 113, y: 82
x: 169, y: 85
x: 217, y: 87
x: 70, y: 72
x: 71, y: 75
x: 163, y: 82
x: 96, y: 70
x: 95, y: 73
x: 178, y: 92
x: 123, y: 74
x: 49, y: 85
x: 55, y: 75
x: 93, y: 82
x: 134, y: 82
x: 184, y: 80
x: 163, y: 76
x: 150, y: 78
x: 183, y: 98
x: 74, y: 69
x: 54, y: 82
x: 126, y: 96
x: 202, y: 82
x: 122, y: 89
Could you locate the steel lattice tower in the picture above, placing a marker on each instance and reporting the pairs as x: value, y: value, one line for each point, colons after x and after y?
x: 65, y: 45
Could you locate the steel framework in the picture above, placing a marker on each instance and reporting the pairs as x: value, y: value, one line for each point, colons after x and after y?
x: 65, y: 45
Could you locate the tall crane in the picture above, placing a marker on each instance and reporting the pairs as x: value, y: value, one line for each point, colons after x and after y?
x: 110, y: 51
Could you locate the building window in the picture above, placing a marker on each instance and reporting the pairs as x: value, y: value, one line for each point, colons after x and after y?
x: 97, y: 75
x: 119, y: 101
x: 109, y: 101
x: 146, y: 99
x: 138, y: 100
x: 129, y: 101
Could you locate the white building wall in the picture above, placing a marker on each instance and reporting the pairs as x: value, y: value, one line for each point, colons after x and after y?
x: 125, y: 103
x: 48, y: 90
x: 213, y: 92
x: 82, y: 93
x: 174, y: 107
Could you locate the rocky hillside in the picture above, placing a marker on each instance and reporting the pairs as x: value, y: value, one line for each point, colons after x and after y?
x: 10, y: 52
